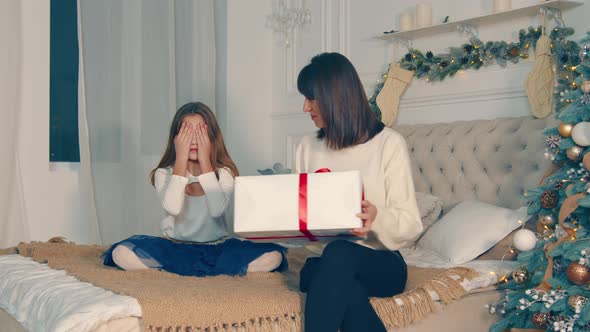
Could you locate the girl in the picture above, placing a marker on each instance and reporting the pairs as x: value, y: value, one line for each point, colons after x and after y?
x: 195, y: 181
x: 350, y: 137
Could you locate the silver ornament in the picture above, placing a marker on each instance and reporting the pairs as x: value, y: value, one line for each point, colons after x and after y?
x: 552, y: 141
x: 546, y: 219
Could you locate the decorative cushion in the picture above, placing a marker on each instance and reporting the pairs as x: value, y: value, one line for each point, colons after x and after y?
x: 470, y: 229
x: 430, y: 208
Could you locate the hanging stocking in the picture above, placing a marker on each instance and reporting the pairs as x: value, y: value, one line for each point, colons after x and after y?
x: 389, y: 96
x: 539, y: 83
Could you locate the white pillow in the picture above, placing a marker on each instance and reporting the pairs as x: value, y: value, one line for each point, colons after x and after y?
x: 469, y: 230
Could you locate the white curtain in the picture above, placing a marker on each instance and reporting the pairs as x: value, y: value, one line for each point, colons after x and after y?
x: 13, y: 223
x: 141, y: 60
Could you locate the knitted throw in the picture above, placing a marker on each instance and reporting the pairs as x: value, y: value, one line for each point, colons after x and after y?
x: 256, y: 302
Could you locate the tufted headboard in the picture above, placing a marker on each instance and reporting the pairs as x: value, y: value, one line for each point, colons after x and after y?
x: 493, y: 161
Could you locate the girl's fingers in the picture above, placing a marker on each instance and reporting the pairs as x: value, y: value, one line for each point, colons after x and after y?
x: 180, y: 130
x: 185, y: 128
x: 205, y: 133
x: 187, y: 133
x: 179, y: 134
x: 198, y: 134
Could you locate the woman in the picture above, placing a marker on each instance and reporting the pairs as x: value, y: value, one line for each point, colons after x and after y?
x: 350, y: 137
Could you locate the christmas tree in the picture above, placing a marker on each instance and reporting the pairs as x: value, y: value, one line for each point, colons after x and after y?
x: 551, y: 289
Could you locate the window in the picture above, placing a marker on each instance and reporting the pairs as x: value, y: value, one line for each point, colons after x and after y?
x: 63, y: 82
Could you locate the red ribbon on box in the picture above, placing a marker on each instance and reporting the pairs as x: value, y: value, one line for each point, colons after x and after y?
x: 302, y: 213
x: 303, y: 204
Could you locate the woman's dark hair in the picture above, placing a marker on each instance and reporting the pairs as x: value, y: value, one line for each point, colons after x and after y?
x: 219, y: 155
x: 331, y: 80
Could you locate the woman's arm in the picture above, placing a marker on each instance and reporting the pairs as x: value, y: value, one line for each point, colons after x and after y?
x: 398, y: 222
x: 218, y: 192
x: 170, y: 189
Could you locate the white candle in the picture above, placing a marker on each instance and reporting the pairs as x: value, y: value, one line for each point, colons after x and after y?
x: 406, y: 22
x: 423, y: 15
x: 502, y: 5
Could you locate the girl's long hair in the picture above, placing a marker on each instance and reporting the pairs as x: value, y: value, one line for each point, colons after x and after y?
x: 331, y: 80
x: 219, y: 155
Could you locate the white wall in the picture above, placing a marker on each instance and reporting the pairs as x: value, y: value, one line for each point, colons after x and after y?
x: 221, y: 63
x: 349, y: 27
x: 249, y: 85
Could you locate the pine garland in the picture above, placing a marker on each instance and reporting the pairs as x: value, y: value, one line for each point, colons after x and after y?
x: 476, y: 54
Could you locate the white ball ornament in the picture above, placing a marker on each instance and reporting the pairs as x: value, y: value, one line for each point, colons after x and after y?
x: 581, y: 134
x: 524, y: 240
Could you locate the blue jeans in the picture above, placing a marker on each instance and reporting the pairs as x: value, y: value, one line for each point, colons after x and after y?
x: 230, y: 257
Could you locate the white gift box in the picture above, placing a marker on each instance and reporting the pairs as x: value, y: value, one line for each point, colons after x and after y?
x: 272, y: 207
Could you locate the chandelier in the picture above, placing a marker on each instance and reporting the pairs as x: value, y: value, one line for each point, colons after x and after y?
x: 284, y: 20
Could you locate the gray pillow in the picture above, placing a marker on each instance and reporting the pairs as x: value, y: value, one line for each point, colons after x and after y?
x: 430, y: 208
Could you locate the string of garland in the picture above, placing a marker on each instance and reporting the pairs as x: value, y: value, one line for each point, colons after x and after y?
x: 476, y: 53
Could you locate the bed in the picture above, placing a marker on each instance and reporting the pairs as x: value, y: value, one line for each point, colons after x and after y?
x: 493, y: 161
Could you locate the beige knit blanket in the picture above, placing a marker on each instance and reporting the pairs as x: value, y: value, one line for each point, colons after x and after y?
x: 257, y: 302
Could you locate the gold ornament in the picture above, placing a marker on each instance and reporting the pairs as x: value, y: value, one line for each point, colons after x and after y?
x: 549, y: 199
x: 574, y: 153
x: 577, y: 301
x: 541, y: 319
x: 521, y: 275
x: 578, y: 273
x: 586, y: 87
x: 565, y: 129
